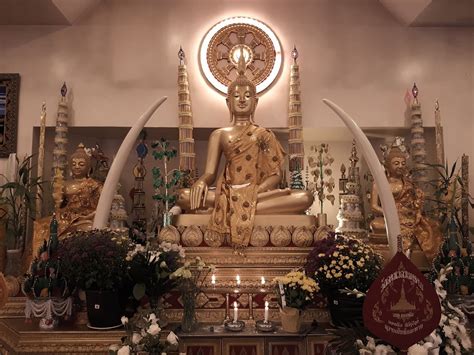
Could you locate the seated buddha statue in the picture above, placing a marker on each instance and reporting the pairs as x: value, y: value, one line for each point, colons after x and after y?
x: 415, y: 227
x: 80, y: 198
x: 253, y: 162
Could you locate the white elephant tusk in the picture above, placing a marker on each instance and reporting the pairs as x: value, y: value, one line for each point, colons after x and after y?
x: 110, y: 185
x: 392, y: 223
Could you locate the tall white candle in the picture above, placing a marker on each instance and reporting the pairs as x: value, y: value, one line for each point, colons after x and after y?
x: 237, y: 278
x: 266, y: 312
x: 213, y: 279
x: 262, y: 280
x: 235, y: 312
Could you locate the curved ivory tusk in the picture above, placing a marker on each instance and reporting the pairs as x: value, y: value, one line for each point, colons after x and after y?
x: 392, y: 223
x: 110, y: 185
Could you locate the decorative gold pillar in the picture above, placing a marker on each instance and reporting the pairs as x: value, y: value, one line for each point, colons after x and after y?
x: 295, y: 118
x: 418, y: 151
x: 187, y: 156
x: 60, y: 138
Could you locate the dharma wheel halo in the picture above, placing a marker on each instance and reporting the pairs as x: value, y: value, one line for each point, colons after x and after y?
x: 222, y: 45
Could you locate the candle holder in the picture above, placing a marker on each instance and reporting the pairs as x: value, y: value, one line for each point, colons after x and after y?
x: 263, y: 326
x: 227, y: 308
x: 234, y: 326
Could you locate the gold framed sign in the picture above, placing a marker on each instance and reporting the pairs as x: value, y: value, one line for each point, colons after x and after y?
x: 221, y: 47
x: 9, y: 93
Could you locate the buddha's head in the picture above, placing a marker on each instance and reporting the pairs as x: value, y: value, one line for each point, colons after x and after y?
x: 396, y: 163
x: 80, y: 163
x: 241, y: 95
x: 395, y: 158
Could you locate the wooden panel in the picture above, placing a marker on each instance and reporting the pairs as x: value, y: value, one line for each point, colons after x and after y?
x: 286, y: 347
x: 243, y: 346
x: 201, y: 346
x: 317, y: 346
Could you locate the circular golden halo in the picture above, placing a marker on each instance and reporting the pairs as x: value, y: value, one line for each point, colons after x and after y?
x: 220, y: 50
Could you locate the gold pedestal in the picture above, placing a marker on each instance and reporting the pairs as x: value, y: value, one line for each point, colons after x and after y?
x: 278, y: 244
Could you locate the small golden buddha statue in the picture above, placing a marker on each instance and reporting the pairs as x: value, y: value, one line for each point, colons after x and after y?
x: 80, y: 199
x: 415, y: 227
x: 252, y: 173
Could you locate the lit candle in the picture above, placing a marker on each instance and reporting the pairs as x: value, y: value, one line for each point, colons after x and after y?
x: 235, y: 311
x: 262, y: 280
x: 237, y: 278
x: 265, y: 320
x: 213, y: 279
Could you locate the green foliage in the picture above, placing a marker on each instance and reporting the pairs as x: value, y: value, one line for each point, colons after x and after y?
x: 447, y: 196
x: 164, y: 181
x: 18, y: 197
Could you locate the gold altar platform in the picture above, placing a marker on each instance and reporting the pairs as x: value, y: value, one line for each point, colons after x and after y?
x: 18, y: 337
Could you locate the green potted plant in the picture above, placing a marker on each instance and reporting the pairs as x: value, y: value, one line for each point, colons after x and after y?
x: 296, y: 292
x: 345, y: 268
x: 17, y: 196
x: 94, y: 261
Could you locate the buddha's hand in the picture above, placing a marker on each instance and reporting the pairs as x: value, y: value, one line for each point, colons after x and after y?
x: 198, y: 194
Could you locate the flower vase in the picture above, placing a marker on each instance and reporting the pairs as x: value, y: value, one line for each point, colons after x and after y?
x: 345, y: 310
x: 189, y: 321
x: 290, y: 319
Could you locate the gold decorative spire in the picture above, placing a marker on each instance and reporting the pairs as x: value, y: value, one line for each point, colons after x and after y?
x: 295, y: 118
x: 187, y: 156
x: 418, y: 151
x: 60, y: 138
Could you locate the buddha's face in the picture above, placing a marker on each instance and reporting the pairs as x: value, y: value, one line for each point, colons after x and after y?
x: 79, y: 167
x: 242, y: 101
x: 397, y: 166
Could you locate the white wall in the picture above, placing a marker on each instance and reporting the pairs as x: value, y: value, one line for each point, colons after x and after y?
x: 121, y: 57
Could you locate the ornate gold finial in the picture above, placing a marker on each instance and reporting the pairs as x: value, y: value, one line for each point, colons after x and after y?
x: 43, y: 108
x: 64, y: 90
x: 414, y: 92
x: 294, y: 54
x: 436, y: 105
x: 181, y: 56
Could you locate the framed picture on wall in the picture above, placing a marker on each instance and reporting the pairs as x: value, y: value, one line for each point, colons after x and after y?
x: 9, y: 93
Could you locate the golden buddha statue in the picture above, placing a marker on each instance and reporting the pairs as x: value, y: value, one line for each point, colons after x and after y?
x: 80, y: 197
x: 252, y: 173
x: 415, y: 227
